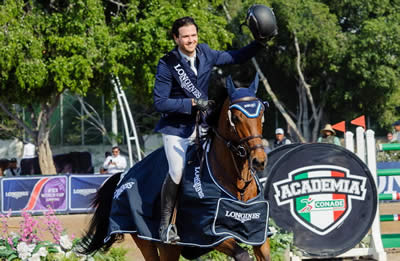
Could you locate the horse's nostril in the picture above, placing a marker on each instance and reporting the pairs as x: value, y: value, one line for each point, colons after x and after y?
x: 259, y: 164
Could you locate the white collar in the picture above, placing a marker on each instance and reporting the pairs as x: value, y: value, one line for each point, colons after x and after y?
x: 187, y: 57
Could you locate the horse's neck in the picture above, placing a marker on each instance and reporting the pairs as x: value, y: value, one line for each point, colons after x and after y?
x: 228, y: 169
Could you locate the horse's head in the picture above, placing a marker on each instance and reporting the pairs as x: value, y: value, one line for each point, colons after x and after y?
x: 243, y: 123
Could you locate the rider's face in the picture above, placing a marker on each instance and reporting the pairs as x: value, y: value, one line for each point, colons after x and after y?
x: 187, y: 39
x: 115, y: 152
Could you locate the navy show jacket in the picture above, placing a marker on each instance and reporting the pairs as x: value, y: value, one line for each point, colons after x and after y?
x: 170, y: 99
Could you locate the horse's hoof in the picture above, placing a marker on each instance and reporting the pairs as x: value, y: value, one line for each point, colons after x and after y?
x: 169, y: 234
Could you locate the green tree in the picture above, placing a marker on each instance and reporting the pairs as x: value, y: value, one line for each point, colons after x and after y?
x: 339, y: 58
x: 301, y: 60
x: 47, y: 48
x: 370, y: 75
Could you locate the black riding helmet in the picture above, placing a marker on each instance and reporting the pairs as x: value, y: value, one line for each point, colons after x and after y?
x: 262, y: 22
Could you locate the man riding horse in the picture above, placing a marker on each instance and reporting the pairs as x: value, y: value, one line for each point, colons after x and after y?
x: 181, y: 89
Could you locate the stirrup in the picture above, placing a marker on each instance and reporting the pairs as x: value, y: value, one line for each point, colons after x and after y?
x: 169, y: 234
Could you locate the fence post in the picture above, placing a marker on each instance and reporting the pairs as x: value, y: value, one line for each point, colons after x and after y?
x: 376, y: 247
x: 349, y: 141
x: 376, y: 240
x: 360, y: 139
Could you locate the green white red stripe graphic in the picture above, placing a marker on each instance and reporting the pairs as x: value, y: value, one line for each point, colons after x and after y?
x: 389, y: 196
x: 320, y: 196
x: 321, y: 210
x: 394, y: 217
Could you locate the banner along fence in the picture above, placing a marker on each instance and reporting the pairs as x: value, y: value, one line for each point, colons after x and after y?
x: 63, y: 193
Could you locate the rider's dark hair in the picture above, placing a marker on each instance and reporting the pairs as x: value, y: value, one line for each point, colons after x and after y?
x: 187, y: 20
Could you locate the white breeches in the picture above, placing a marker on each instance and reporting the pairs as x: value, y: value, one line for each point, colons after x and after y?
x: 175, y: 149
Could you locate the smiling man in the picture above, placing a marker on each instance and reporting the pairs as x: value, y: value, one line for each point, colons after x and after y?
x: 181, y: 89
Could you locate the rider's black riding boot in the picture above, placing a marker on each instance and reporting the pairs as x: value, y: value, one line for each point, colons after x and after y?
x: 168, y: 232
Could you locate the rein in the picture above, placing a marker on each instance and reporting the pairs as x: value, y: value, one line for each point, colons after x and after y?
x: 240, y: 151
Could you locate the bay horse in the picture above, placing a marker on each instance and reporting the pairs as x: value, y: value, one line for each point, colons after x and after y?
x: 235, y: 153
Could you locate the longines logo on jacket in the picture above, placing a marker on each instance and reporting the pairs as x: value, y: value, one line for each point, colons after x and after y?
x: 185, y: 81
x: 123, y: 187
x: 242, y: 217
x: 197, y: 182
x: 320, y: 196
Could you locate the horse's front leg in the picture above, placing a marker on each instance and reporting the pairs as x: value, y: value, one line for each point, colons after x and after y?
x: 147, y: 248
x: 231, y: 248
x: 169, y: 252
x: 262, y: 252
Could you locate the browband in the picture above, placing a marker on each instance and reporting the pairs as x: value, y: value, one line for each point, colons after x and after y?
x: 249, y: 106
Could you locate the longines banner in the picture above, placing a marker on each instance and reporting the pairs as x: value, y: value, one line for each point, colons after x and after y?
x: 322, y: 193
x: 34, y: 194
x: 63, y: 193
x: 82, y: 190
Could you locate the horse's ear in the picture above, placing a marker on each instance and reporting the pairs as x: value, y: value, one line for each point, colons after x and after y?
x: 230, y: 86
x: 254, y: 84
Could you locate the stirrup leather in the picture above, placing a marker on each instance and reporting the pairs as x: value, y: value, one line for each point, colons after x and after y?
x: 169, y: 234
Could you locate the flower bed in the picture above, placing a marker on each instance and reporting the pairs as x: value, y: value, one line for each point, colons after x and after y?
x: 29, y: 243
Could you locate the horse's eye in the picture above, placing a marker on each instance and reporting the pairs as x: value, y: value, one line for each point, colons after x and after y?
x: 235, y: 119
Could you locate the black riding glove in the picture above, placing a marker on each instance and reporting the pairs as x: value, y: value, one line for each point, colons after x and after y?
x: 202, y: 105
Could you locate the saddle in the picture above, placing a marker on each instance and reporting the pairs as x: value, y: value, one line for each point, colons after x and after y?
x: 204, y: 207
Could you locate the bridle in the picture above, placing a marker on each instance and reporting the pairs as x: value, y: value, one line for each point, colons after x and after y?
x: 242, y: 148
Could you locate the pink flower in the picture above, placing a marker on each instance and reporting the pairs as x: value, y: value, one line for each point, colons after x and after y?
x: 9, y: 240
x: 53, y: 225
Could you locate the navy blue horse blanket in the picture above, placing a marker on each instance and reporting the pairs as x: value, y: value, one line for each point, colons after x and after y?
x: 207, y: 214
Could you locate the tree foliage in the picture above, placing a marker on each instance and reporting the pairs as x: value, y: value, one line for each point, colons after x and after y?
x: 340, y: 58
x: 48, y: 47
x: 345, y: 52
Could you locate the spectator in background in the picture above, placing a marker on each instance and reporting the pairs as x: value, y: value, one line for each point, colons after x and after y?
x: 115, y: 163
x: 29, y: 151
x: 329, y: 136
x: 12, y: 169
x: 102, y: 169
x: 3, y: 166
x: 396, y: 134
x: 389, y: 137
x: 280, y: 138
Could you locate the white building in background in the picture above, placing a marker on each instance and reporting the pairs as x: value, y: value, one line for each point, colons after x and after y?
x: 11, y: 149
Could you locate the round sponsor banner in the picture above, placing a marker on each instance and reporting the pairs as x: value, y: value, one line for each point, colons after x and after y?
x: 325, y: 195
x: 53, y: 194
